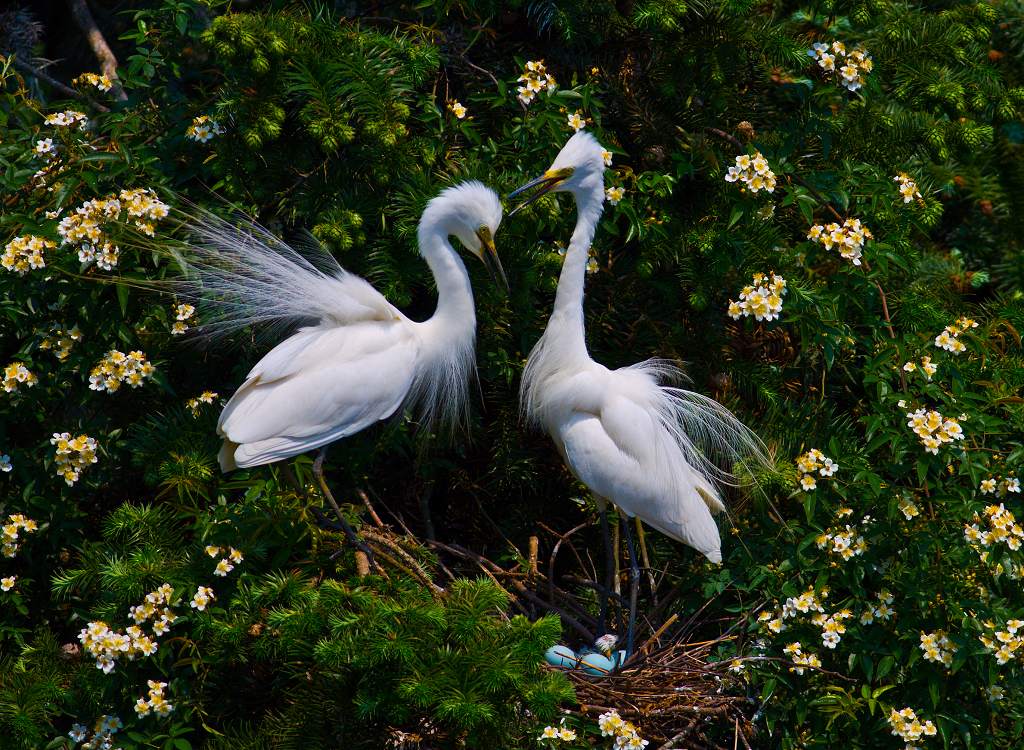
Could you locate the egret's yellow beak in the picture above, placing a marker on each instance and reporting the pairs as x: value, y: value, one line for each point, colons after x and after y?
x: 489, y: 255
x: 549, y: 180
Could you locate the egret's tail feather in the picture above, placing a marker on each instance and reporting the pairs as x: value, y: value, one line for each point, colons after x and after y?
x: 713, y: 441
x: 240, y: 274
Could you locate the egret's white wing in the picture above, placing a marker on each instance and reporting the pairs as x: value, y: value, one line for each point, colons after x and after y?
x: 624, y: 453
x: 318, y: 386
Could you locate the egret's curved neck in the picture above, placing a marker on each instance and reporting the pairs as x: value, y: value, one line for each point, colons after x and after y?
x: 566, y: 323
x: 455, y: 310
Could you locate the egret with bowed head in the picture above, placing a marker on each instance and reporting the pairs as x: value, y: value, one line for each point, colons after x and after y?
x: 649, y: 449
x: 357, y: 359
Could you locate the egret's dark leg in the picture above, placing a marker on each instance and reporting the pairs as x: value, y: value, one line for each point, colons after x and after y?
x: 350, y: 533
x: 609, y: 562
x: 634, y: 585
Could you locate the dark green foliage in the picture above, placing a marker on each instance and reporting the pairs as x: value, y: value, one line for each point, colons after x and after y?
x: 337, y: 122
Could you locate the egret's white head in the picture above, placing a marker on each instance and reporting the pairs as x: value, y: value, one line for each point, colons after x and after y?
x: 578, y: 169
x: 471, y: 212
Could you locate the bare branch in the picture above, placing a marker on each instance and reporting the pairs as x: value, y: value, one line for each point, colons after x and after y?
x: 30, y: 70
x: 108, y: 63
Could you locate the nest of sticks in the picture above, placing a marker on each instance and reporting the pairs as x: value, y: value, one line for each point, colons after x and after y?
x: 673, y: 695
x: 668, y: 688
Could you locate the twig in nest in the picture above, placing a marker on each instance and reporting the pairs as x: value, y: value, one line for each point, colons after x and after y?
x: 414, y: 568
x: 680, y: 736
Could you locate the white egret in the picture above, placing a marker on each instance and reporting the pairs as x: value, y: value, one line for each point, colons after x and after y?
x: 647, y: 448
x: 361, y: 360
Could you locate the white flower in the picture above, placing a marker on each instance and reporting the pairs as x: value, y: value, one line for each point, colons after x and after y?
x: 614, y: 194
x: 6, y: 584
x: 576, y: 121
x: 203, y: 596
x: 5, y: 463
x: 45, y: 146
x: 457, y: 109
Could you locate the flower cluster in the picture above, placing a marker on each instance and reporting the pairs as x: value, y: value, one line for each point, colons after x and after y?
x: 849, y: 67
x: 846, y: 542
x: 762, y: 299
x: 849, y: 238
x: 61, y: 340
x: 25, y: 253
x: 101, y: 82
x: 457, y: 109
x: 908, y: 188
x: 933, y: 429
x: 881, y: 611
x: 908, y: 727
x: 937, y: 648
x: 227, y: 563
x: 1003, y: 486
x: 144, y: 208
x: 614, y: 194
x: 949, y: 339
x: 73, y: 455
x: 85, y: 226
x: 814, y: 461
x: 832, y: 628
x: 206, y: 397
x: 203, y: 128
x: 535, y: 78
x: 68, y: 118
x: 801, y: 660
x: 155, y: 702
x: 1005, y: 644
x: 753, y: 172
x: 1001, y: 527
x: 107, y: 645
x: 203, y: 596
x: 155, y: 607
x: 182, y: 313
x: 7, y: 583
x: 563, y: 733
x: 928, y: 367
x: 794, y: 606
x: 102, y: 733
x: 16, y: 374
x: 624, y: 732
x: 16, y: 523
x: 117, y: 367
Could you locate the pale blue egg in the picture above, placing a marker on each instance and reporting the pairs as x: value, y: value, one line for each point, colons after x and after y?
x: 561, y: 656
x: 596, y: 664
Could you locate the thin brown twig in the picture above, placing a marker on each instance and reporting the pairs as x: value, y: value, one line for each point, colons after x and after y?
x: 414, y: 568
x: 42, y: 75
x: 519, y: 587
x: 726, y: 136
